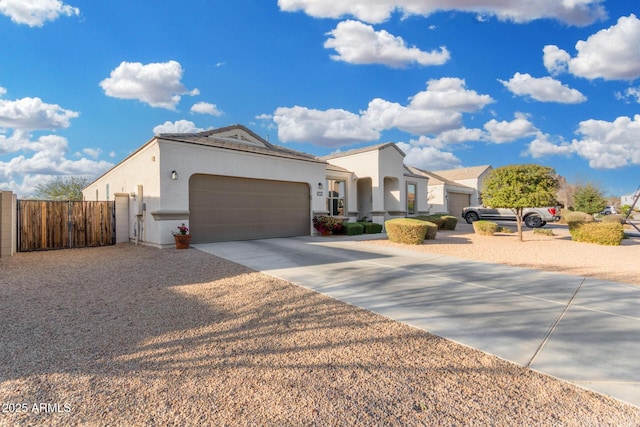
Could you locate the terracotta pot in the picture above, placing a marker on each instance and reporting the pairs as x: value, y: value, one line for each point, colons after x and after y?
x: 182, y: 240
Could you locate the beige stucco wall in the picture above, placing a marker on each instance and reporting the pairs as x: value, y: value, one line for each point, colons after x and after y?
x: 8, y: 224
x: 378, y: 165
x: 167, y: 200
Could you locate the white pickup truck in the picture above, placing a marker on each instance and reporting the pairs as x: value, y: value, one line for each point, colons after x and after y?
x: 533, y: 217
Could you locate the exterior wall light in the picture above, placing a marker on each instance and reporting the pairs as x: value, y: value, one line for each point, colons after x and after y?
x: 174, y: 175
x: 319, y: 186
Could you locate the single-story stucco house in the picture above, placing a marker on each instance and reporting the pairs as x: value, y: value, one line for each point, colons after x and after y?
x: 230, y: 184
x: 453, y: 189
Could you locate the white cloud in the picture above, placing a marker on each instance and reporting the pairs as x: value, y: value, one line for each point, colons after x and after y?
x: 605, y: 145
x: 179, y: 126
x: 610, y: 54
x: 94, y: 153
x: 555, y: 60
x: 157, y: 84
x: 545, y: 89
x: 501, y: 132
x: 608, y: 145
x: 449, y: 137
x: 541, y: 147
x: 437, y: 109
x: 575, y: 12
x: 330, y: 128
x: 23, y: 172
x: 32, y: 113
x: 35, y: 13
x: 632, y: 93
x: 206, y: 108
x: 429, y: 158
x: 358, y: 43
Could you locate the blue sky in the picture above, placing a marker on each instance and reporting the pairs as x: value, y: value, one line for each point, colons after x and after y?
x: 455, y: 83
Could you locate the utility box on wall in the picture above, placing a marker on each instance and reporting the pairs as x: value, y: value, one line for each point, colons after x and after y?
x: 8, y: 224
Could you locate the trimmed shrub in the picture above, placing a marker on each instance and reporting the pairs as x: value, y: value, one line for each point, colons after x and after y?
x: 602, y: 233
x: 352, y: 228
x: 506, y: 230
x: 436, y: 219
x: 371, y: 227
x: 432, y: 230
x: 485, y: 228
x: 406, y: 230
x: 450, y: 222
x: 577, y: 217
x: 442, y: 220
x: 613, y: 218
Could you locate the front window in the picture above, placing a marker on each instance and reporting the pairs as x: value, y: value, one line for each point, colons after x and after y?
x: 411, y: 199
x: 336, y: 197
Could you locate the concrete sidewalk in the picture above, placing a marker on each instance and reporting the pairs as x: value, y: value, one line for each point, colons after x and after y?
x: 584, y: 331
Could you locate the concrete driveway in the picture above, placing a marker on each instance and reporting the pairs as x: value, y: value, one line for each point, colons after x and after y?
x: 584, y: 331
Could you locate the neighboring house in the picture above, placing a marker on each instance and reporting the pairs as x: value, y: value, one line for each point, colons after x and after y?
x: 629, y: 200
x: 446, y: 196
x: 453, y: 189
x: 230, y: 184
x: 378, y: 184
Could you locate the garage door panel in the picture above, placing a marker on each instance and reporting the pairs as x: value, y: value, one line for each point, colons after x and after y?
x: 457, y: 201
x: 226, y: 208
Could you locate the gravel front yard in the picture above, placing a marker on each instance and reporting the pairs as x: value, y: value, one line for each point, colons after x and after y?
x: 131, y: 335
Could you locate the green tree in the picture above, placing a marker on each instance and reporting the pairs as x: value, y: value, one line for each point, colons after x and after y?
x: 517, y: 187
x: 589, y: 199
x: 69, y: 188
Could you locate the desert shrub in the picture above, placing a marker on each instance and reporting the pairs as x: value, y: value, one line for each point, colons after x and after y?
x: 444, y: 221
x: 436, y: 219
x: 602, y: 233
x: 504, y: 230
x: 485, y: 228
x: 371, y: 227
x: 406, y: 230
x: 450, y: 222
x: 573, y: 218
x: 613, y: 218
x: 543, y: 231
x: 352, y: 228
x: 432, y: 230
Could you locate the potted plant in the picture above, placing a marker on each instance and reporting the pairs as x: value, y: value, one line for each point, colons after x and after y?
x: 182, y: 237
x: 326, y: 225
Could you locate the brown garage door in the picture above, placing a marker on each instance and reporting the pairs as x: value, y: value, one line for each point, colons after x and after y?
x: 457, y: 201
x: 224, y: 208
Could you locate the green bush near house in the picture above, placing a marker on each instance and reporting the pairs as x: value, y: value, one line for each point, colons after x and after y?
x: 436, y: 219
x: 450, y: 222
x: 432, y: 230
x: 602, y: 233
x: 352, y: 228
x: 443, y: 221
x: 406, y: 230
x: 371, y: 227
x: 485, y: 228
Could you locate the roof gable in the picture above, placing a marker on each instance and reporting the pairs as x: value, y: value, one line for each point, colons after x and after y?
x: 238, y: 138
x: 464, y: 173
x: 378, y: 147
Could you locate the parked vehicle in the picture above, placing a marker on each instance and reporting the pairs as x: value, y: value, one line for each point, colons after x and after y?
x: 532, y: 217
x: 609, y: 210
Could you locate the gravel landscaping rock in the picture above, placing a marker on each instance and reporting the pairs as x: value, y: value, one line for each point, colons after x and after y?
x: 132, y: 335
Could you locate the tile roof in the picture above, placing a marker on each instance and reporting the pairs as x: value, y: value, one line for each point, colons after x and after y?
x: 256, y: 144
x: 463, y: 173
x: 363, y: 150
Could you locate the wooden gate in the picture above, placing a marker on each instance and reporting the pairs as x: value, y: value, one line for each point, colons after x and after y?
x: 45, y: 224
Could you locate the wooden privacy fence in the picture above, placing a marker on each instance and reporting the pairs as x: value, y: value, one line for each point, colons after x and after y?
x: 45, y: 224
